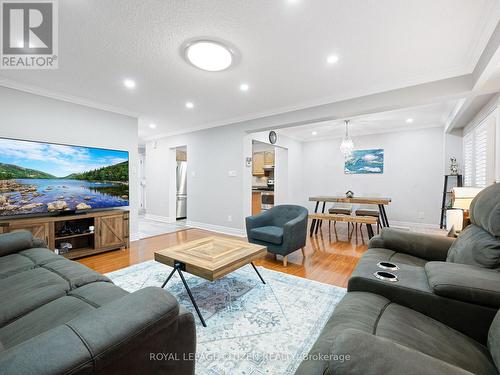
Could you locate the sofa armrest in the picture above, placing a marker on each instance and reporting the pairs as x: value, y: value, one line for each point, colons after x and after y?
x: 263, y: 219
x: 15, y: 241
x: 39, y: 243
x: 372, y: 355
x: 426, y: 246
x: 121, y: 337
x: 464, y: 283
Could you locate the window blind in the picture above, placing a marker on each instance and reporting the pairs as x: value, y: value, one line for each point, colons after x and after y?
x: 468, y: 159
x: 480, y: 154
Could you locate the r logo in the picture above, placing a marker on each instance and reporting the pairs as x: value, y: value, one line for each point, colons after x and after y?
x: 27, y: 28
x: 29, y: 34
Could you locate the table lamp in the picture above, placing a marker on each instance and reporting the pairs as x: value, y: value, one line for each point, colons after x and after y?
x: 461, y: 199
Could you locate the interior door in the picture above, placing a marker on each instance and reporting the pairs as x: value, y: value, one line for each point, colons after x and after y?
x: 110, y: 231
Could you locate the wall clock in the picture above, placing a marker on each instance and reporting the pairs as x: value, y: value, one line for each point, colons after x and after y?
x: 273, y: 137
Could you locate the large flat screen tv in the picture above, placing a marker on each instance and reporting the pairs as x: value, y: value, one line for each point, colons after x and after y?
x: 44, y: 178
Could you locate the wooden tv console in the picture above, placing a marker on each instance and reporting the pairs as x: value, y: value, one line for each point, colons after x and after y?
x: 111, y: 231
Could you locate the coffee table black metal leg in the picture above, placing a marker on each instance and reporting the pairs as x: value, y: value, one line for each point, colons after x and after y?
x: 169, y: 277
x: 255, y: 268
x: 178, y: 267
x: 191, y: 297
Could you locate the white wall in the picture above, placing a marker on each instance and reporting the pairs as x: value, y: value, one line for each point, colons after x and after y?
x: 413, y: 173
x: 37, y: 118
x: 215, y: 200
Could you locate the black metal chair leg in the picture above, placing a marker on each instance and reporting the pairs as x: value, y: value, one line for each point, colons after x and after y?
x: 192, y: 298
x: 313, y: 223
x: 258, y: 273
x: 385, y: 216
x: 369, y: 230
x: 169, y: 277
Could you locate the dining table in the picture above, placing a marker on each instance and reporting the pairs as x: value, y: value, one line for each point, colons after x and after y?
x: 379, y: 202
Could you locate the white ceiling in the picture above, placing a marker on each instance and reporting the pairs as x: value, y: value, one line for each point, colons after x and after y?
x: 434, y: 115
x: 382, y: 45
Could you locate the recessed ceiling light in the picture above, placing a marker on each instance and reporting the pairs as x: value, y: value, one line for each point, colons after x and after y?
x: 332, y: 59
x: 209, y: 55
x: 152, y: 126
x: 409, y: 120
x: 244, y: 87
x: 314, y: 133
x: 129, y: 83
x: 189, y: 105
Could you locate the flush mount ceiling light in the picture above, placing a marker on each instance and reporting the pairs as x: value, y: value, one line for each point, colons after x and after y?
x: 409, y: 120
x: 129, y: 83
x: 189, y: 105
x: 314, y: 133
x: 244, y: 87
x: 209, y: 55
x: 347, y: 144
x: 332, y: 59
x: 152, y: 126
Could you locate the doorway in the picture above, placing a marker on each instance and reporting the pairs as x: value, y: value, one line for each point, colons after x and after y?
x: 181, y: 195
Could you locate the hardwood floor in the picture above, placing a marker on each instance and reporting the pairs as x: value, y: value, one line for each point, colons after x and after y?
x: 325, y: 261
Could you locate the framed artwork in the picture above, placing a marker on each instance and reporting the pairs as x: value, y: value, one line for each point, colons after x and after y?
x: 364, y: 162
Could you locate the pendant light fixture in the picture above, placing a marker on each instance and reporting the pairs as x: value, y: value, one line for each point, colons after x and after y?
x: 347, y: 144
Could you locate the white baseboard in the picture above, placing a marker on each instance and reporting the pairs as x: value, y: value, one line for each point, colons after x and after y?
x: 163, y: 219
x: 409, y: 224
x: 134, y: 237
x: 217, y: 228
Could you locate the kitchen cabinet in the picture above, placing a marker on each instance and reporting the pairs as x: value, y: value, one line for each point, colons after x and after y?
x: 258, y: 164
x: 269, y: 158
x: 256, y: 203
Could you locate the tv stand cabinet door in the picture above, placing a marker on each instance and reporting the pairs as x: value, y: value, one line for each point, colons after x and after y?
x: 39, y: 230
x: 110, y: 233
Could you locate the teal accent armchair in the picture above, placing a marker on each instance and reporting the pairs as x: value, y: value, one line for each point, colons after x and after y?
x: 282, y: 229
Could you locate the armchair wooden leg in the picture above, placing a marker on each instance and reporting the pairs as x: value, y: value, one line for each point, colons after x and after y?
x: 303, y: 252
x: 285, y: 261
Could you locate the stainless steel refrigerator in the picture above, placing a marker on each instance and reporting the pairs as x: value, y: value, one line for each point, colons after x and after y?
x: 181, y: 189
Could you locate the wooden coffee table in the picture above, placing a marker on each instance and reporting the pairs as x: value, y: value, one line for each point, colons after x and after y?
x: 210, y: 258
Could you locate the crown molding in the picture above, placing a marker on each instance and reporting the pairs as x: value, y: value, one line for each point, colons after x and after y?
x: 35, y: 90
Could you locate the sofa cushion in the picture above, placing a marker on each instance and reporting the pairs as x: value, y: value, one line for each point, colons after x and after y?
x: 40, y: 256
x: 485, y: 210
x: 28, y: 290
x: 419, y: 332
x: 44, y: 318
x: 76, y: 274
x: 99, y: 293
x: 376, y: 315
x: 476, y: 247
x: 14, y: 263
x: 268, y: 234
x: 15, y: 241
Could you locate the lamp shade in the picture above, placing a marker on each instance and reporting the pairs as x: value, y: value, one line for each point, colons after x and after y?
x: 462, y: 196
x: 454, y: 219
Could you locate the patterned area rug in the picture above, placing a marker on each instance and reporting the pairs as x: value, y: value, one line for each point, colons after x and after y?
x: 252, y: 328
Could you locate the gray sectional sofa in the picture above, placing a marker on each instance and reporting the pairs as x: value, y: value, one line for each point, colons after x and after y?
x: 60, y: 317
x: 441, y: 315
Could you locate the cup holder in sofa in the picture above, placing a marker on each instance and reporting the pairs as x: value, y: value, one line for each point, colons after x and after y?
x: 385, y: 276
x: 388, y: 266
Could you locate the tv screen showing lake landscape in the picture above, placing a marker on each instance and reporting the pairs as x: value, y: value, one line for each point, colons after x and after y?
x: 38, y: 178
